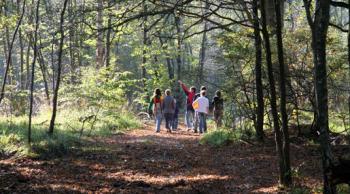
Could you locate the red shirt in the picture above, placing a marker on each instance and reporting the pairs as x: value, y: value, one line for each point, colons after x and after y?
x: 190, y: 95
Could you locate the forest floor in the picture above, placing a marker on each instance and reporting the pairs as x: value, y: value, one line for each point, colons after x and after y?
x: 142, y: 161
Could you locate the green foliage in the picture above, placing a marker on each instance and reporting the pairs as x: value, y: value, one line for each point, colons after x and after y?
x: 13, y: 132
x: 300, y: 190
x: 103, y: 89
x: 219, y: 137
x: 343, y: 189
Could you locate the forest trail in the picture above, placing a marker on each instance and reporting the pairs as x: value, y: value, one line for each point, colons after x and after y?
x: 142, y: 161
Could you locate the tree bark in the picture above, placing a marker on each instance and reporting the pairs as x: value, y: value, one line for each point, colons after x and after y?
x: 179, y: 46
x: 59, y: 69
x: 108, y: 38
x: 349, y: 62
x: 8, y: 61
x: 278, y: 135
x: 43, y: 72
x: 287, y: 178
x: 33, y: 73
x: 203, y: 46
x: 21, y: 47
x: 100, y: 50
x: 259, y: 128
x: 319, y: 29
x: 144, y: 50
x: 167, y: 58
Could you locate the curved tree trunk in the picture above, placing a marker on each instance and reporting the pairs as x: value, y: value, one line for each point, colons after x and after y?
x: 8, y: 61
x: 59, y: 69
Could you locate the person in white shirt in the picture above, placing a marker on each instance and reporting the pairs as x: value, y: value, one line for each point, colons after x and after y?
x: 201, y: 106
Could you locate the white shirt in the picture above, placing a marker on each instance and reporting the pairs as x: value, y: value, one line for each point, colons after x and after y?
x: 203, y: 104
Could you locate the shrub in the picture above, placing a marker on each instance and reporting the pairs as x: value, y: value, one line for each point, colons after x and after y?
x: 219, y: 137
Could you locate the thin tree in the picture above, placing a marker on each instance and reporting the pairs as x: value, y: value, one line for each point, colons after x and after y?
x: 21, y: 46
x: 276, y: 125
x: 259, y: 126
x: 203, y: 49
x: 100, y: 50
x: 33, y: 72
x: 59, y: 69
x: 145, y: 44
x: 108, y: 36
x: 287, y: 178
x: 9, y: 55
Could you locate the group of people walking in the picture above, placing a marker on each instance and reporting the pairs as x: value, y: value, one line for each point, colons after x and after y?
x: 197, y: 109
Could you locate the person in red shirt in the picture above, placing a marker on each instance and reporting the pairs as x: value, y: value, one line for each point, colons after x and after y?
x: 156, y: 105
x: 189, y: 115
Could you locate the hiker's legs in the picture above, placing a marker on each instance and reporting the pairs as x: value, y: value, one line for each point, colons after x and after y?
x: 168, y: 120
x: 166, y: 115
x: 175, y: 123
x: 217, y: 119
x: 171, y: 121
x: 201, y: 122
x: 158, y: 121
x: 204, y: 122
x: 189, y: 119
x: 220, y: 119
x: 196, y: 121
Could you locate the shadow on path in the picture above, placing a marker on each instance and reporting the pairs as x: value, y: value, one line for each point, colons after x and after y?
x: 142, y: 161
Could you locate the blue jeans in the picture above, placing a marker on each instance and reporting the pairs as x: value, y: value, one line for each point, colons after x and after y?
x: 189, y: 118
x: 175, y: 123
x: 196, y: 121
x: 168, y: 120
x: 202, y: 122
x: 158, y: 118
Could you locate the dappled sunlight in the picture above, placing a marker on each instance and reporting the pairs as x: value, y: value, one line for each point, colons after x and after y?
x: 145, y: 161
x: 130, y: 175
x: 272, y: 189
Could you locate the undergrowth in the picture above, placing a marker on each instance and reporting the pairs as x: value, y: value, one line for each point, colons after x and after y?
x: 225, y: 136
x: 67, y: 134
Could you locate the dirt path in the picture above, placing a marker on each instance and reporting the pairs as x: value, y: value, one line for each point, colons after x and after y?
x: 142, y: 161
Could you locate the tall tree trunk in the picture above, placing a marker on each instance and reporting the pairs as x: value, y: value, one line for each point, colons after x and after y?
x: 167, y: 58
x: 319, y: 29
x: 53, y: 68
x: 349, y: 61
x: 21, y: 47
x: 71, y: 47
x: 100, y: 50
x: 320, y: 62
x: 8, y: 45
x: 59, y: 69
x: 278, y: 135
x: 28, y: 53
x: 43, y: 72
x: 108, y: 37
x: 287, y: 178
x: 8, y: 61
x: 145, y: 44
x: 203, y: 46
x: 259, y: 128
x: 178, y: 24
x: 33, y: 73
